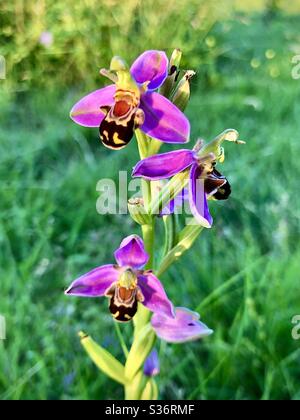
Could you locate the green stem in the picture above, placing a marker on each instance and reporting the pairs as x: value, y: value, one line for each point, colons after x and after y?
x: 134, y: 389
x: 144, y: 340
x: 143, y: 315
x: 148, y: 237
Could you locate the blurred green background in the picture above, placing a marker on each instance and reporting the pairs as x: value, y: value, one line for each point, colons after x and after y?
x: 243, y: 276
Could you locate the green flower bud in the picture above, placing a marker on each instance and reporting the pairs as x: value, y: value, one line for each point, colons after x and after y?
x: 138, y: 212
x: 186, y: 239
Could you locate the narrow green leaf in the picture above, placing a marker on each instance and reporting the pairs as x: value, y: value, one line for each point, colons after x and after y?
x: 141, y: 319
x: 187, y: 238
x: 141, y: 348
x: 103, y: 359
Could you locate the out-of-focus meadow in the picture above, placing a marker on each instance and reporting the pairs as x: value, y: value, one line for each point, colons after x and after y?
x: 242, y: 276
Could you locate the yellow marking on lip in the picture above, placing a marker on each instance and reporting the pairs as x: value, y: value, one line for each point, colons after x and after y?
x: 116, y: 314
x: 117, y: 140
x: 127, y: 316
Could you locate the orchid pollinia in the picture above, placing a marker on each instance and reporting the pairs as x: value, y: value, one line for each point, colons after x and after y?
x: 132, y: 105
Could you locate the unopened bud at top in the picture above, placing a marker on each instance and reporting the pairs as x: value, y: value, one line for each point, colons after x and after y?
x: 215, y: 146
x: 175, y: 61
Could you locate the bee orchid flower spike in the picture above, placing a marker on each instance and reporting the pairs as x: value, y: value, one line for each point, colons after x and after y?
x: 147, y: 100
x: 131, y: 103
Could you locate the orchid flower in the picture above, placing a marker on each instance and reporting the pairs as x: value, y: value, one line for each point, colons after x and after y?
x: 205, y: 182
x: 125, y: 284
x: 152, y: 365
x: 131, y: 103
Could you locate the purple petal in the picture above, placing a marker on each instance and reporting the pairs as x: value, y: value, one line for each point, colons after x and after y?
x: 183, y: 328
x: 198, y: 199
x: 151, y: 66
x: 169, y: 209
x: 132, y: 253
x: 87, y: 111
x: 164, y: 165
x: 163, y: 120
x: 152, y: 366
x: 95, y: 283
x: 155, y: 298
